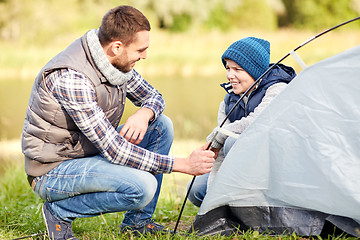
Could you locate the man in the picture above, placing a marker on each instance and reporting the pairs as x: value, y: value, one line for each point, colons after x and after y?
x: 76, y: 157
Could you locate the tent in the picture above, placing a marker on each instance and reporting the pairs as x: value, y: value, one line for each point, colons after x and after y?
x: 296, y: 169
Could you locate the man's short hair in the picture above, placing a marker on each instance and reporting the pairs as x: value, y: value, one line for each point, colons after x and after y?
x: 122, y: 23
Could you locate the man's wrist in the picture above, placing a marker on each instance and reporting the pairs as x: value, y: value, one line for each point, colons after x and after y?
x: 179, y: 165
x: 149, y: 113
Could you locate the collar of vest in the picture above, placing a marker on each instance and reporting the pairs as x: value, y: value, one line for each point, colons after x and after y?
x: 280, y: 73
x: 91, y: 61
x: 102, y: 63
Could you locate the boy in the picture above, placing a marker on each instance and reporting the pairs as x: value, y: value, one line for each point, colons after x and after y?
x: 245, y: 61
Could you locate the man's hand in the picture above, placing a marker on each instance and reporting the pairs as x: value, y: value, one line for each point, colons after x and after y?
x: 199, y: 162
x: 136, y: 125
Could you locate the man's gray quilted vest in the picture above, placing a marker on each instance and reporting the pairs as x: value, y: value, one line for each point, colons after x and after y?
x: 50, y: 136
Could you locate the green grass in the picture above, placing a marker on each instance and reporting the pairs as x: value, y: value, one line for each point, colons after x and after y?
x: 20, y: 208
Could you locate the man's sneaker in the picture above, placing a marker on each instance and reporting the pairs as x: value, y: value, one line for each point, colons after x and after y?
x: 150, y: 227
x: 57, y: 229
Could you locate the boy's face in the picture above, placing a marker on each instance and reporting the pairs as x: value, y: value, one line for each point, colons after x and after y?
x: 240, y: 80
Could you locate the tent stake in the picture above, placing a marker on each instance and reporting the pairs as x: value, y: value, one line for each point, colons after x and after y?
x: 30, y: 236
x: 250, y: 89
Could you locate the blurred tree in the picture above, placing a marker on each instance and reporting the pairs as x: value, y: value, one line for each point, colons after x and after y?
x: 177, y: 15
x: 9, y: 19
x: 318, y: 14
x: 39, y: 20
x: 219, y: 18
x: 256, y: 14
x: 219, y: 14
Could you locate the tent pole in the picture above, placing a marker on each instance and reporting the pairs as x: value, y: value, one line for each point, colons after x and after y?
x: 249, y: 90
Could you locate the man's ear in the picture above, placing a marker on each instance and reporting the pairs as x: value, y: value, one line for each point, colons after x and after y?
x: 117, y: 47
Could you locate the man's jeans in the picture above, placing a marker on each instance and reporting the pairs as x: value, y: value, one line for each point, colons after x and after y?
x: 87, y: 187
x: 199, y: 187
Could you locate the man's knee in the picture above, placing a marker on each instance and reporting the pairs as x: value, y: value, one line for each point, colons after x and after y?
x: 144, y: 190
x: 151, y: 186
x: 166, y: 125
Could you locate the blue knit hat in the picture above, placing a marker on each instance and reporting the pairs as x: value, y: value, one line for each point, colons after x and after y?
x: 252, y: 54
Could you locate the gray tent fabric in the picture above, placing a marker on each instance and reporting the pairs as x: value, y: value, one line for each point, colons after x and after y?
x: 297, y: 166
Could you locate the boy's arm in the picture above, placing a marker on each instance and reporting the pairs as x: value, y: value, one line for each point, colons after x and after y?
x: 218, y: 142
x: 240, y: 125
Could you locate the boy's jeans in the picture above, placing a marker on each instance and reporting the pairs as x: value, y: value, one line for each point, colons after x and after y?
x: 199, y: 188
x: 87, y: 187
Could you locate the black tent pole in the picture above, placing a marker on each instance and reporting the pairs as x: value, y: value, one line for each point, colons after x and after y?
x: 247, y: 92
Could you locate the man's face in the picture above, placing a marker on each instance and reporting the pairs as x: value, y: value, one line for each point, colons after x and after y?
x: 240, y: 80
x: 132, y: 52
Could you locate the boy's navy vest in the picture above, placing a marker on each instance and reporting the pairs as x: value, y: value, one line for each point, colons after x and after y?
x: 279, y: 73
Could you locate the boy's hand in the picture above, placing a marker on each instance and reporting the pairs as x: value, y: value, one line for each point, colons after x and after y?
x: 216, y: 151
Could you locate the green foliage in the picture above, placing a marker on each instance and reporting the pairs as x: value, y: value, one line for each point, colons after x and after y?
x: 181, y: 23
x: 317, y: 15
x: 213, y: 14
x: 255, y: 14
x: 42, y: 20
x: 218, y: 19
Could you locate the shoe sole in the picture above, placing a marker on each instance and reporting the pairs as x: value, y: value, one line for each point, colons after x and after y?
x: 47, y: 227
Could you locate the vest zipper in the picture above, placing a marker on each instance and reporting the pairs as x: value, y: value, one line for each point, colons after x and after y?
x: 121, y: 89
x: 245, y: 100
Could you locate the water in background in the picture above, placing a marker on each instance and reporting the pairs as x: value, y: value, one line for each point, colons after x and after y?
x: 191, y: 102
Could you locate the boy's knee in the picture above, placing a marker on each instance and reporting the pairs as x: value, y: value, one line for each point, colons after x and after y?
x: 229, y: 142
x: 196, y: 198
x: 198, y: 191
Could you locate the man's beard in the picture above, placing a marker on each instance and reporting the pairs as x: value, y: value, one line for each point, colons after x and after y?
x: 122, y: 67
x: 123, y: 64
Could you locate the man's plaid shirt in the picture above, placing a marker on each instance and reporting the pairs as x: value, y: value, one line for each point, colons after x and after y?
x: 76, y: 94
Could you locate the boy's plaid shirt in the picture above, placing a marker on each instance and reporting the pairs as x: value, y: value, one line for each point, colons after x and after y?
x: 76, y: 94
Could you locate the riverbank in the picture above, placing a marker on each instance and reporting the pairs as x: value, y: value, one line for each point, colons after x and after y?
x: 182, y: 54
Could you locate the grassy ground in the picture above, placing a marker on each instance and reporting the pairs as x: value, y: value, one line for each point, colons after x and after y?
x: 20, y: 208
